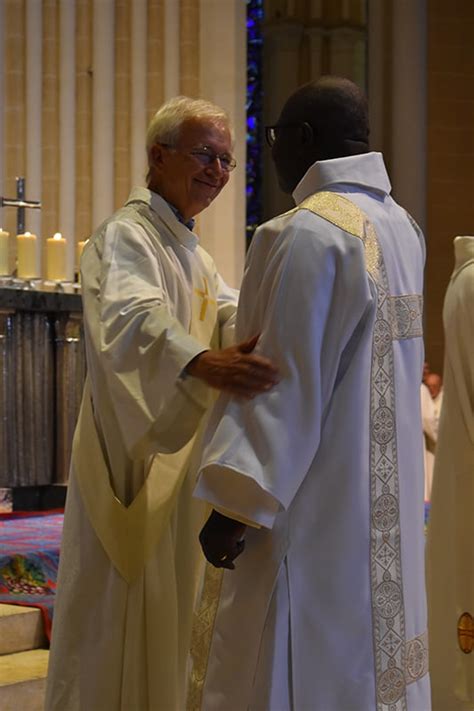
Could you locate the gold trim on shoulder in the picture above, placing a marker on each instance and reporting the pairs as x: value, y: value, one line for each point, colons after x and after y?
x: 344, y: 214
x: 466, y: 633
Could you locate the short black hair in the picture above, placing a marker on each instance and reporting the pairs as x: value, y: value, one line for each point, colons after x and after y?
x: 337, y: 111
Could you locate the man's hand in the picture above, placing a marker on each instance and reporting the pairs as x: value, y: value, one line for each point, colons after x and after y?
x: 235, y: 369
x: 221, y: 540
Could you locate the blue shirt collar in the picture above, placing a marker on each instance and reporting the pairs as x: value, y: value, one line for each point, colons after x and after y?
x: 189, y: 224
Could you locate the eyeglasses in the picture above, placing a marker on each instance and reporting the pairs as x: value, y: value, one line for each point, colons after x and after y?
x: 206, y: 156
x: 271, y: 132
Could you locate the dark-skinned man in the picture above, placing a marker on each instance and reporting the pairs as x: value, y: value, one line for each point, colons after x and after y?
x: 155, y: 310
x: 318, y: 484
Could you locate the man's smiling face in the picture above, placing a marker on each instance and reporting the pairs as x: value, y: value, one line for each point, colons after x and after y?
x: 181, y: 178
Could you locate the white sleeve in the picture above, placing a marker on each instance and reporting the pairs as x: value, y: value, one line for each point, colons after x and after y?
x: 459, y: 344
x: 227, y: 299
x: 312, y: 291
x: 428, y: 414
x: 144, y: 347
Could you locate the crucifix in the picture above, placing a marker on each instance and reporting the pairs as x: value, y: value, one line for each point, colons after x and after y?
x: 21, y: 204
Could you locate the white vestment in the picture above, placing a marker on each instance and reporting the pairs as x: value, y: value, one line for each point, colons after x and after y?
x: 129, y: 559
x: 430, y: 436
x: 438, y: 404
x: 326, y: 608
x: 450, y: 542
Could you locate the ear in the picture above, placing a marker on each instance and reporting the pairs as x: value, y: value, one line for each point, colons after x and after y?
x: 307, y: 134
x: 156, y: 155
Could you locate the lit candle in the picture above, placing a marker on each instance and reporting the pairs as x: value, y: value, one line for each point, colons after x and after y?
x: 56, y: 258
x: 4, y: 243
x: 27, y: 267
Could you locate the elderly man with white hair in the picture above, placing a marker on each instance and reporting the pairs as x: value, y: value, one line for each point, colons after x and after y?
x: 156, y: 313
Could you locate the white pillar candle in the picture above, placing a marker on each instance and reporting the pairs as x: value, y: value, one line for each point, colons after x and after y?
x: 79, y: 247
x: 56, y: 258
x: 4, y: 244
x: 27, y: 266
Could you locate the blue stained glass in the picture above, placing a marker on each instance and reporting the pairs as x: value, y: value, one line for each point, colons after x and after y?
x: 254, y: 115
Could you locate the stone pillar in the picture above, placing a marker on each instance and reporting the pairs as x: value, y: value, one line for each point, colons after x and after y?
x: 83, y: 119
x: 281, y: 77
x: 408, y: 169
x: 155, y: 57
x: 122, y: 102
x: 189, y: 47
x: 348, y: 54
x: 222, y: 80
x: 316, y: 35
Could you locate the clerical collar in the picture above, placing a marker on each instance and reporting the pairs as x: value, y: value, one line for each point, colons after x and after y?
x: 365, y: 169
x: 189, y: 224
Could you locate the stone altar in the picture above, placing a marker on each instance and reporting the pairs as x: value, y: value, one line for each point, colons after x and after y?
x: 42, y: 370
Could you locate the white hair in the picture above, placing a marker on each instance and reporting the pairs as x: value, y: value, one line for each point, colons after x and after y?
x: 165, y: 125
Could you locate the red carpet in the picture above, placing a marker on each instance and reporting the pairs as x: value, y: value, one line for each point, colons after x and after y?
x: 29, y: 557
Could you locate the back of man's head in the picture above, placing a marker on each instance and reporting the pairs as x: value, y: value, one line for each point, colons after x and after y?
x: 329, y: 117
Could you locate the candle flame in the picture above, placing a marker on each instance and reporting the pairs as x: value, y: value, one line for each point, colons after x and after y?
x: 57, y: 235
x: 27, y: 234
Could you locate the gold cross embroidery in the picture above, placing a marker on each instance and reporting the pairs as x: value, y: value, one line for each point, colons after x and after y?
x: 204, y: 294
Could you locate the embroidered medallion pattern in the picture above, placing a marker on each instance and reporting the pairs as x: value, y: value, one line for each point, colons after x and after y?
x: 398, y: 662
x: 406, y: 316
x: 388, y: 608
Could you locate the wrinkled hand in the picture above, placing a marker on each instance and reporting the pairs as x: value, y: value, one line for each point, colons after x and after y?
x: 235, y: 369
x: 221, y: 540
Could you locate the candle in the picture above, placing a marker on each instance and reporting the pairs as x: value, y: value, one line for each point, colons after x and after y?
x: 56, y: 258
x: 79, y: 247
x: 26, y: 256
x: 4, y: 243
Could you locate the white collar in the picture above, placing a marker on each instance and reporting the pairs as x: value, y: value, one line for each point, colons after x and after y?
x: 366, y: 169
x: 160, y: 207
x: 463, y: 252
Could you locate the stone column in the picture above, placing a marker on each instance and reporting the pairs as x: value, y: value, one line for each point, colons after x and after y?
x: 15, y: 111
x: 347, y: 54
x: 83, y: 119
x: 222, y: 80
x: 316, y: 35
x: 155, y: 57
x: 122, y: 102
x: 408, y: 169
x: 103, y: 102
x: 50, y: 123
x: 189, y: 47
x: 281, y: 63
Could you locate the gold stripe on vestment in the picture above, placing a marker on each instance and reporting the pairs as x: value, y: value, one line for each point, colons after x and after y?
x: 397, y: 661
x: 203, y: 630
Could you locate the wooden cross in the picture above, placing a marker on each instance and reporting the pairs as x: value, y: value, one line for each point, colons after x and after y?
x: 21, y: 204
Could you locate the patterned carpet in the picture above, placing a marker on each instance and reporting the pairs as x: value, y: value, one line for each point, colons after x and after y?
x: 29, y: 557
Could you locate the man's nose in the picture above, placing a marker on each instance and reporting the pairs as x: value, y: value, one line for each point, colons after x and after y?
x: 216, y: 166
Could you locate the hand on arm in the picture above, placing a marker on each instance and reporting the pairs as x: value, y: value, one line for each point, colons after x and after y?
x: 221, y: 540
x: 235, y: 369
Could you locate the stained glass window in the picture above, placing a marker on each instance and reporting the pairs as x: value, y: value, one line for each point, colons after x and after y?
x: 254, y: 116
